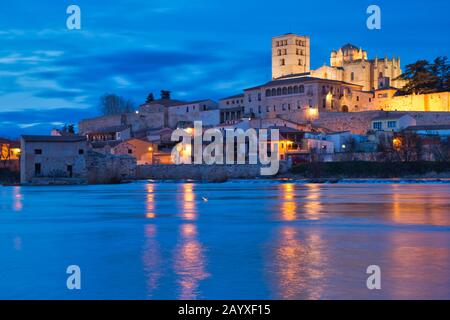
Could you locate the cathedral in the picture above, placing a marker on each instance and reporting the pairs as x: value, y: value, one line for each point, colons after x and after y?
x: 291, y: 56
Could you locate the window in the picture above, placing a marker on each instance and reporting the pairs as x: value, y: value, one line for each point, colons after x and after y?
x: 278, y: 91
x: 259, y: 109
x: 289, y: 90
x: 377, y: 125
x: 324, y: 103
x: 249, y: 98
x: 300, y: 63
x: 301, y: 89
x: 130, y: 151
x: 259, y: 96
x: 81, y: 151
x: 37, y: 169
x: 295, y: 89
x: 187, y: 109
x: 357, y: 98
x: 284, y: 90
x: 279, y: 52
x: 37, y: 151
x: 352, y: 76
x: 282, y: 63
x: 268, y: 93
x: 70, y: 171
x: 392, y: 124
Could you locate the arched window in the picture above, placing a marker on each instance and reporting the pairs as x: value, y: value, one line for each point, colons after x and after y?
x: 268, y: 93
x: 284, y: 90
x: 301, y: 89
x: 278, y: 91
x: 295, y: 89
x: 274, y: 92
x: 344, y: 108
x: 289, y: 90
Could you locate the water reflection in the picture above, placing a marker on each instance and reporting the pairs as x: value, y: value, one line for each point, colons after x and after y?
x: 415, y: 266
x: 17, y: 199
x: 299, y: 264
x: 288, y: 205
x: 313, y: 201
x: 189, y: 262
x: 150, y: 201
x: 151, y: 260
x: 410, y: 207
x: 189, y: 210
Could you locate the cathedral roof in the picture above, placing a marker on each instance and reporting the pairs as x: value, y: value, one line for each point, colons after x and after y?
x: 349, y: 46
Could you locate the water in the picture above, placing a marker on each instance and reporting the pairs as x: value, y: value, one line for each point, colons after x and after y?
x: 236, y: 240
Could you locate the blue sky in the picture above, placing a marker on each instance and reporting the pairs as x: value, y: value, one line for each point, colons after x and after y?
x: 198, y: 49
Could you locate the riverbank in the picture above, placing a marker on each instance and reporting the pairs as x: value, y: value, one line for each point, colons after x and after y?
x: 370, y: 170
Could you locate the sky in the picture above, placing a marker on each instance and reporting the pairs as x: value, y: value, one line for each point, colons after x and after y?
x: 197, y: 49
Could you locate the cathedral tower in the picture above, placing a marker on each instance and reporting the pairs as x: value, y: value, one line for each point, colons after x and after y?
x: 290, y: 55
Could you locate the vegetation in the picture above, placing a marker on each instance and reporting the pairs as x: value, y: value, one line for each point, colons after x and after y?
x: 365, y: 169
x: 112, y: 104
x: 165, y: 94
x: 150, y: 98
x: 425, y: 77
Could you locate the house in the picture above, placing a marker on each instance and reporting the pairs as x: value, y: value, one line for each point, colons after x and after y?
x: 141, y: 150
x: 113, y: 133
x: 341, y: 140
x: 53, y: 157
x: 431, y: 130
x: 392, y: 122
x: 9, y: 150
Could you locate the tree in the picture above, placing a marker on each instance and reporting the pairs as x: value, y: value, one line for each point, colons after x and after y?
x: 112, y: 104
x: 419, y: 78
x: 423, y: 77
x: 150, y: 98
x: 165, y: 94
x: 441, y: 70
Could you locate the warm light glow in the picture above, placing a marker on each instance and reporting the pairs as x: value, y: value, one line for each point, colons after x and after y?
x: 150, y: 203
x: 150, y: 149
x: 189, y: 205
x: 397, y: 143
x: 288, y: 206
x: 190, y: 265
x: 312, y: 112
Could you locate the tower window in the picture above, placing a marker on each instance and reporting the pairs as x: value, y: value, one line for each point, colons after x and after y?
x: 282, y: 62
x: 300, y: 63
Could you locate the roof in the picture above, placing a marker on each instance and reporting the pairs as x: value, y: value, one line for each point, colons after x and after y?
x: 102, y: 144
x: 240, y: 95
x: 111, y: 129
x: 430, y: 127
x: 389, y: 117
x: 283, y: 129
x: 293, y: 80
x: 166, y: 102
x: 349, y: 46
x: 11, y: 143
x: 75, y: 138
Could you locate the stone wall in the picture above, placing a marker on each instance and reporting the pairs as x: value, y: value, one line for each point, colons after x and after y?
x: 360, y: 122
x: 213, y: 173
x: 105, y: 168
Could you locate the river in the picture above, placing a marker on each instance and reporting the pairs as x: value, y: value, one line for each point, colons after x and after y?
x: 234, y: 240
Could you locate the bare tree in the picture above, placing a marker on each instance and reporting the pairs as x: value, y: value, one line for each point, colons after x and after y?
x: 112, y: 104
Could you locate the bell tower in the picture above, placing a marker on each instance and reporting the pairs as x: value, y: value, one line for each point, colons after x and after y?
x: 290, y: 55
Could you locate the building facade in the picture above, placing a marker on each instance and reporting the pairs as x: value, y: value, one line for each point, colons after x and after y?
x: 55, y: 157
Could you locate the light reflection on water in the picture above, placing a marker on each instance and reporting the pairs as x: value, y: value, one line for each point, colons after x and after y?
x: 248, y: 240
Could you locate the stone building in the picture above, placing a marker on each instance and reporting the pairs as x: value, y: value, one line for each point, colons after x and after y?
x: 351, y: 64
x: 206, y: 111
x: 290, y: 55
x: 53, y: 157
